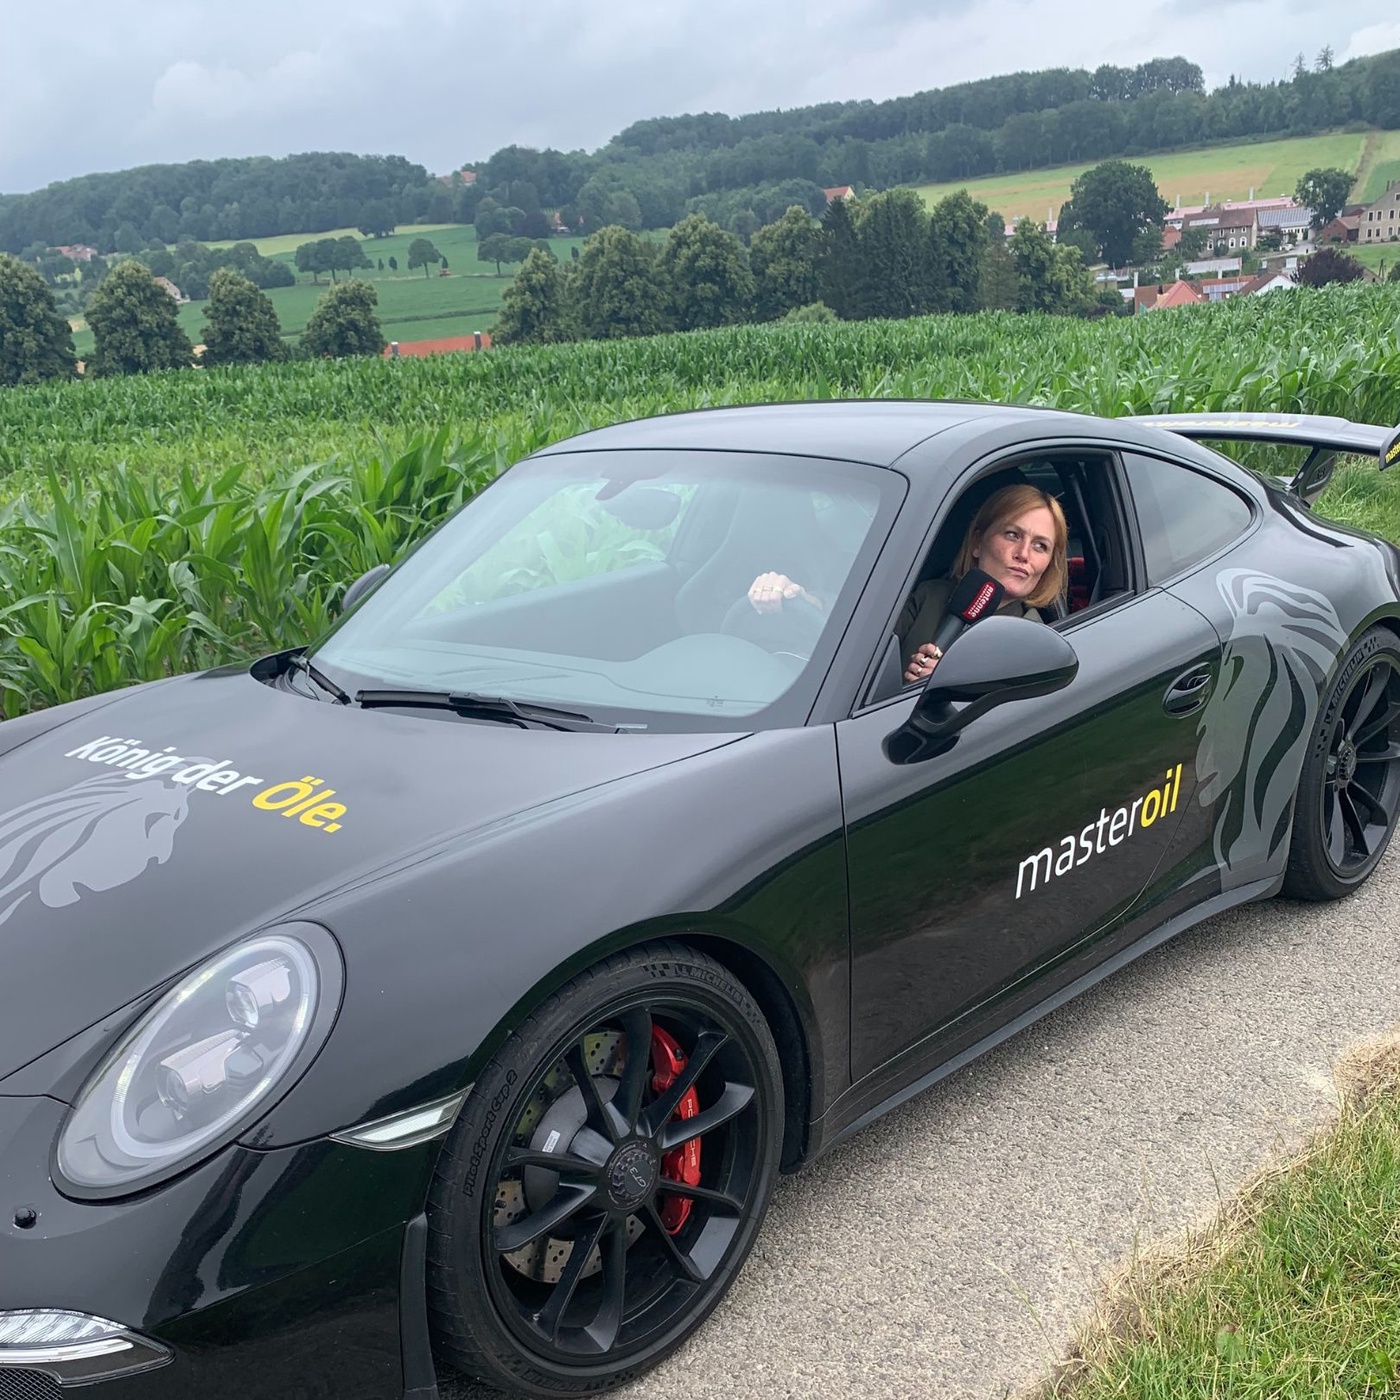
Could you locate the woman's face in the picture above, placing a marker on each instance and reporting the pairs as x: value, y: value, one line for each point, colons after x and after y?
x: 1017, y: 551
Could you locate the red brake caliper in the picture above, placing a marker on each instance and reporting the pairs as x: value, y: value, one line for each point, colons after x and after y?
x: 680, y: 1163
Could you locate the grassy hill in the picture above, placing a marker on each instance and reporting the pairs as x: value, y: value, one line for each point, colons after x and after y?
x: 1187, y: 177
x: 411, y: 306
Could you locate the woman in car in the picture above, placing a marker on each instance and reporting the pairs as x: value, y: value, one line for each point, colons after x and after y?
x: 1018, y: 537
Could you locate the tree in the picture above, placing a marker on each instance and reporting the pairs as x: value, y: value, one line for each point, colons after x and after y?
x: 377, y: 219
x: 349, y: 253
x: 783, y: 260
x: 344, y: 322
x: 1049, y: 278
x: 893, y: 229
x: 533, y: 310
x: 1324, y: 191
x: 957, y: 237
x: 240, y: 322
x: 1193, y: 243
x: 840, y: 278
x: 134, y: 324
x: 1071, y: 233
x: 619, y: 288
x: 393, y: 263
x: 1381, y: 101
x: 496, y: 248
x: 1116, y: 201
x: 421, y: 253
x: 998, y: 287
x: 491, y: 218
x: 1329, y: 265
x: 316, y: 257
x: 1394, y: 274
x: 36, y: 343
x: 706, y: 274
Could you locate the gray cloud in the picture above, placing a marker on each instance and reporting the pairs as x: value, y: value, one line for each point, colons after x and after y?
x: 127, y: 82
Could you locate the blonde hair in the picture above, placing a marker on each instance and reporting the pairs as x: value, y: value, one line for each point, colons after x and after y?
x: 1005, y: 505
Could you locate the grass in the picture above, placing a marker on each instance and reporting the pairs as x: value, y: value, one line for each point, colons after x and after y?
x: 1379, y: 257
x: 1223, y: 172
x: 1380, y: 163
x: 411, y: 306
x: 1293, y: 1291
x: 281, y: 244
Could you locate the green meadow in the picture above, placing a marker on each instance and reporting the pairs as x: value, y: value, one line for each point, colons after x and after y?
x: 1222, y: 172
x: 412, y: 306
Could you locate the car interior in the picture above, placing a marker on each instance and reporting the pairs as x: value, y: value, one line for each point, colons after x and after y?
x: 1086, y: 487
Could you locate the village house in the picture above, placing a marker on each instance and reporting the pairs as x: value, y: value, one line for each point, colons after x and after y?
x: 1381, y: 221
x: 1345, y: 228
x: 837, y: 192
x: 1177, y: 216
x: 77, y: 252
x: 1290, y: 224
x: 1226, y: 229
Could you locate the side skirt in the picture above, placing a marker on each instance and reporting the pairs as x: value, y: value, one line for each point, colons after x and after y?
x: 1244, y: 894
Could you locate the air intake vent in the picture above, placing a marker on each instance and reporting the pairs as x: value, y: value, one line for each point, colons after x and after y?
x: 27, y: 1385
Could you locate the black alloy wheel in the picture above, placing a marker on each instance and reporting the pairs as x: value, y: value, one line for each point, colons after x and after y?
x: 1349, y: 792
x: 607, y: 1177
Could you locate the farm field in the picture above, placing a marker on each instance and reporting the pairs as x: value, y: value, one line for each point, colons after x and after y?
x: 1186, y: 177
x: 166, y: 522
x: 1380, y: 164
x: 411, y: 306
x: 1379, y: 257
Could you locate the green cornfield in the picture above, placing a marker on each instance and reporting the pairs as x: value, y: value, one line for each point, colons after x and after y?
x: 164, y: 523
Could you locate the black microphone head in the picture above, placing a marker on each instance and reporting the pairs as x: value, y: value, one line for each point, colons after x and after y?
x: 976, y: 595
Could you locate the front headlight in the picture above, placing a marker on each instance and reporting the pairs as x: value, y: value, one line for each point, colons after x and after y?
x: 206, y: 1060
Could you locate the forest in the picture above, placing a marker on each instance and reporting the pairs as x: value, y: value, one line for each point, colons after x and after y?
x: 742, y: 171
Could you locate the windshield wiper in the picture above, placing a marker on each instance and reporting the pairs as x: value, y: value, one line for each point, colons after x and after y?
x: 325, y: 682
x: 522, y: 713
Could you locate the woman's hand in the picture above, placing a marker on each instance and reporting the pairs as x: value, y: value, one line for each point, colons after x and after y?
x: 922, y: 662
x: 769, y: 591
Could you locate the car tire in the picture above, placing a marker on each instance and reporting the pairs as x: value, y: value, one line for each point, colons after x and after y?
x: 572, y: 1147
x: 1349, y: 787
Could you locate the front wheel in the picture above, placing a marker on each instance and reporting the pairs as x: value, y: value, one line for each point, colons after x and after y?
x: 606, y: 1178
x: 1349, y: 788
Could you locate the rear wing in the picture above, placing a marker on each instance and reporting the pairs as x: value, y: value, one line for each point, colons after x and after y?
x: 1327, y: 437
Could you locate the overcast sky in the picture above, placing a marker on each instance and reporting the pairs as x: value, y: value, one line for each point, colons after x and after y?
x: 107, y: 84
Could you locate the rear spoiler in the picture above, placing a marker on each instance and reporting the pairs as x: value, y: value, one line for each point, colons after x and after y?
x: 1325, y: 436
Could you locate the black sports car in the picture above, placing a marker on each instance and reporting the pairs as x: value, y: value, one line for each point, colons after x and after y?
x: 455, y: 988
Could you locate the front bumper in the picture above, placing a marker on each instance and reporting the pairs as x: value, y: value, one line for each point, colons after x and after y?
x: 292, y: 1273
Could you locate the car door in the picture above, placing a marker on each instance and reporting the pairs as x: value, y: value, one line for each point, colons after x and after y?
x: 976, y: 869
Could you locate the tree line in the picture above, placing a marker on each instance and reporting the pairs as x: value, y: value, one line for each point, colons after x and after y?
x: 731, y: 169
x: 741, y: 172
x: 881, y: 256
x: 136, y: 328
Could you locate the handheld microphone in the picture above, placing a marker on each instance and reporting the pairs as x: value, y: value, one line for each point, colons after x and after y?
x: 976, y: 595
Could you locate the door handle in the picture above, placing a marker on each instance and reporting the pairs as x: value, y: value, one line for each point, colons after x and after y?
x: 1188, y: 692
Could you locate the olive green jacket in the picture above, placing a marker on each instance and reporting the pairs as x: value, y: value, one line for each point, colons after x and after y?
x: 919, y: 621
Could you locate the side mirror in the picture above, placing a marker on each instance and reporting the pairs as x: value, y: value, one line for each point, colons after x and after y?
x: 365, y: 584
x: 1000, y: 659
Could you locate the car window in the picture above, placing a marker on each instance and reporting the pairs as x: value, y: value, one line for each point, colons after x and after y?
x: 569, y: 536
x: 1184, y: 516
x: 618, y: 585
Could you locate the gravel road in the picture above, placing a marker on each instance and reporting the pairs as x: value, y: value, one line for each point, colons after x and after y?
x: 949, y: 1250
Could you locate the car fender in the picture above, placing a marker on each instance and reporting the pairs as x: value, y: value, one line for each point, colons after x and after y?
x: 742, y: 844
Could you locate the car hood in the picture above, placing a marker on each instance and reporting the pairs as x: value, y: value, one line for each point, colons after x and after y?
x: 140, y: 836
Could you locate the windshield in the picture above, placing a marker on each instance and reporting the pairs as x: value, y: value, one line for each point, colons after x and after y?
x: 618, y: 584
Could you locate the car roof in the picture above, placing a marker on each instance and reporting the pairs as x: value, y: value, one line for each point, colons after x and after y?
x: 874, y: 431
